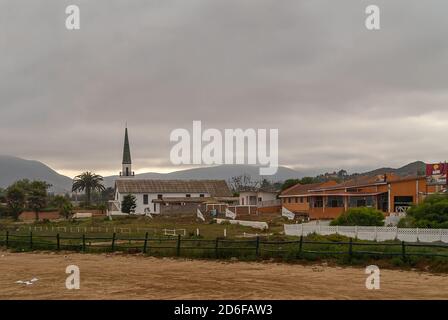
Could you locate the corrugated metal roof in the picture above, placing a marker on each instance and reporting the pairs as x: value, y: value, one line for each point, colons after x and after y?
x: 216, y: 188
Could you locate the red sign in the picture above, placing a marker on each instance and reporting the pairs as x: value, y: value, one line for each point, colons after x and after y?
x: 437, y: 173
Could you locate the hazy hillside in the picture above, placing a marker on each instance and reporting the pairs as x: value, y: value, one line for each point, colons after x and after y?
x: 13, y: 169
x: 224, y: 172
x: 409, y: 169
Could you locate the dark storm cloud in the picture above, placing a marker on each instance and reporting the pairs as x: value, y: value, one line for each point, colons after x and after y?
x: 341, y: 96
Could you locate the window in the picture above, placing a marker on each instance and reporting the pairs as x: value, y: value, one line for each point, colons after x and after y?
x: 335, y: 202
x: 145, y: 199
x: 404, y: 200
x: 318, y: 202
x: 160, y: 196
x: 188, y: 195
x: 359, y: 201
x: 154, y: 207
x: 402, y: 203
x: 201, y: 195
x: 252, y: 200
x: 301, y: 199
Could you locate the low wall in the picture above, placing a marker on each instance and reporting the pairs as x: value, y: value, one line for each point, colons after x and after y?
x: 93, y: 212
x: 272, y: 209
x: 188, y: 208
x: 30, y: 215
x: 53, y: 215
x: 243, y: 209
x: 219, y: 207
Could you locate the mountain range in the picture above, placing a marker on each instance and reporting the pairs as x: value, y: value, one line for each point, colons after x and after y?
x: 14, y: 168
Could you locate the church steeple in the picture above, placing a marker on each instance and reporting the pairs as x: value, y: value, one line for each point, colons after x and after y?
x: 126, y: 149
x: 127, y: 163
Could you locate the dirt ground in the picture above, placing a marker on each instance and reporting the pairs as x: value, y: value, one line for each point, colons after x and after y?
x: 137, y: 277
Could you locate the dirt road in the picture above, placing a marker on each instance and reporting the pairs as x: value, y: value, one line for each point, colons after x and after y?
x: 136, y: 277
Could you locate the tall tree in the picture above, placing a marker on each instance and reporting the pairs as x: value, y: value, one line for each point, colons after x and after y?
x: 289, y: 183
x: 242, y: 182
x: 2, y: 195
x: 15, y: 198
x: 37, y: 196
x: 308, y: 180
x: 64, y: 206
x: 88, y: 182
x: 128, y: 204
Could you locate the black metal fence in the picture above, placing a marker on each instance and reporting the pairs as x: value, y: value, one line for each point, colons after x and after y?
x: 220, y: 247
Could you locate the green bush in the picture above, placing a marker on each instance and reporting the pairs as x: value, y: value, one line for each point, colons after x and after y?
x: 360, y: 217
x: 431, y: 213
x: 4, y: 211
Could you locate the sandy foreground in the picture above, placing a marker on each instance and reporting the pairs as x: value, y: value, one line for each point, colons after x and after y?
x: 137, y: 277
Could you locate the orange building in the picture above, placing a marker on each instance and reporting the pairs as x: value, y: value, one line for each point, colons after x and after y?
x: 388, y: 193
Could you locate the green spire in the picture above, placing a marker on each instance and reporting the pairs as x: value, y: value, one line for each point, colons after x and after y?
x: 126, y: 149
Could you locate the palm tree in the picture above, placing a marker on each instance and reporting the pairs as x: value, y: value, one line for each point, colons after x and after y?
x: 88, y: 182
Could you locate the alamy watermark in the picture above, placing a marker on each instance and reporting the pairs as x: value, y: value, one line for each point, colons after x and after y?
x: 232, y: 146
x: 373, y: 19
x: 73, y: 281
x: 73, y: 20
x: 373, y: 280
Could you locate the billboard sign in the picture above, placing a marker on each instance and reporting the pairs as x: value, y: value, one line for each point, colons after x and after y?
x: 436, y: 173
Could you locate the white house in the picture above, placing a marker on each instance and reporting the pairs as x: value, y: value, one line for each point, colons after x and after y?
x: 159, y: 196
x: 257, y: 196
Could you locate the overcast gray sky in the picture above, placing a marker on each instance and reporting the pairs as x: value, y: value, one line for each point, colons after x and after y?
x: 340, y: 95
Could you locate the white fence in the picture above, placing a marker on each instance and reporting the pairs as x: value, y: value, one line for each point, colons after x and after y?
x: 371, y: 233
x: 254, y: 224
x: 254, y: 235
x: 174, y: 232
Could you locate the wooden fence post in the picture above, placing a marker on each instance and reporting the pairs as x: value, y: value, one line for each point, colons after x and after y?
x: 403, y: 250
x: 84, y: 242
x: 58, y: 242
x: 216, y: 247
x: 31, y: 240
x: 178, y: 245
x: 113, y: 241
x: 350, y: 249
x: 257, y: 246
x: 145, y: 243
x: 7, y: 239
